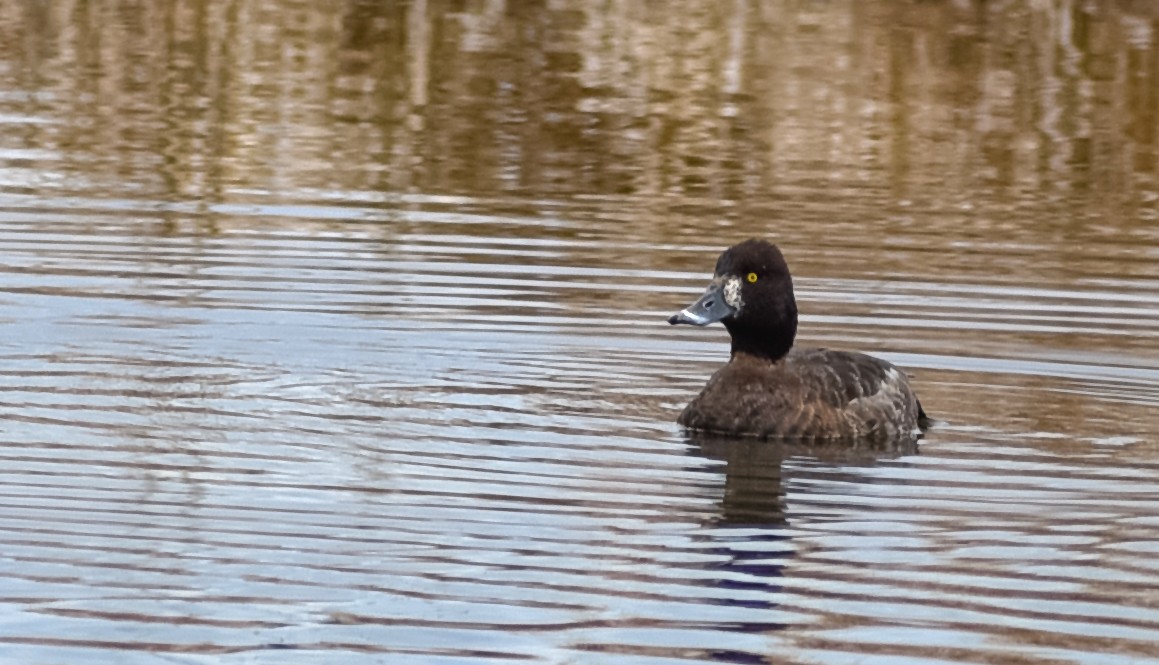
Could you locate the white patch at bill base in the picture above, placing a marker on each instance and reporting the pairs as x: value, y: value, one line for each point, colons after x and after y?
x: 732, y: 293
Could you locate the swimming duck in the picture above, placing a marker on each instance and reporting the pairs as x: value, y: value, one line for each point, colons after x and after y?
x: 770, y: 390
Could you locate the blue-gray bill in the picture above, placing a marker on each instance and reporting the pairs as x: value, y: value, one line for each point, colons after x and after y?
x: 709, y: 308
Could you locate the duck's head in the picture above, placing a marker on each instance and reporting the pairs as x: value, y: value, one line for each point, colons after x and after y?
x: 752, y: 295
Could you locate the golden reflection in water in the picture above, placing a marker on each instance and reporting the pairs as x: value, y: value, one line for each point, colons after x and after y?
x: 962, y: 143
x: 947, y: 104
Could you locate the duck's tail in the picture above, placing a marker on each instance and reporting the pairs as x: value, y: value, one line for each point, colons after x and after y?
x: 924, y: 421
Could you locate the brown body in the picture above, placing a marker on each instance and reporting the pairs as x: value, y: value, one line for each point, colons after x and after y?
x: 809, y: 394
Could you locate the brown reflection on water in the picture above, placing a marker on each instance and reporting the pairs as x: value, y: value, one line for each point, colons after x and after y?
x: 948, y: 144
x: 945, y: 105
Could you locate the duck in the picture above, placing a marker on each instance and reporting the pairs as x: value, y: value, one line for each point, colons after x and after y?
x: 770, y: 389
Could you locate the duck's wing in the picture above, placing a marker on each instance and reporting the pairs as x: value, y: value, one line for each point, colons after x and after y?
x: 840, y: 377
x: 872, y: 395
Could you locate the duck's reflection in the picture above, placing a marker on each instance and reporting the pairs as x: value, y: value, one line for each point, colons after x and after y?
x: 752, y: 531
x: 753, y: 487
x: 755, y: 471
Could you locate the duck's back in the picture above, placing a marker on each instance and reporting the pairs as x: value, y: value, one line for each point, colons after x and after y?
x: 809, y: 394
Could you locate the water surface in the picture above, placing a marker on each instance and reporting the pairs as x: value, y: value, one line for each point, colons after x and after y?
x: 338, y: 333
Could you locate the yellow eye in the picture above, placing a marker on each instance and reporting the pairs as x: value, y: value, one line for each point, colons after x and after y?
x: 752, y: 278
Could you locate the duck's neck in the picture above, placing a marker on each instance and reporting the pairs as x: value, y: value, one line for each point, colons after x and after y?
x: 771, y: 345
x: 760, y: 349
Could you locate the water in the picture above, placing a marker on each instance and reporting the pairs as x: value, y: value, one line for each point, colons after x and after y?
x: 337, y: 333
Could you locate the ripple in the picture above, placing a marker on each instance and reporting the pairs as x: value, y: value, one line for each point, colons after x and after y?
x: 345, y: 444
x: 337, y: 333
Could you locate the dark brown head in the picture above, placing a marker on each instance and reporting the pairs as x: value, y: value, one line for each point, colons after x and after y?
x: 752, y: 295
